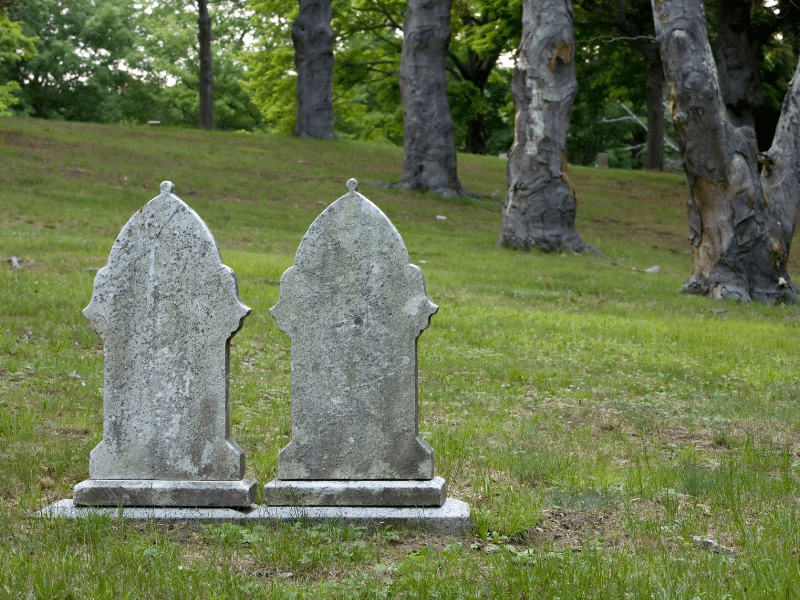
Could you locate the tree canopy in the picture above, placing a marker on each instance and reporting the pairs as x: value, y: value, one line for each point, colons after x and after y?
x: 112, y: 61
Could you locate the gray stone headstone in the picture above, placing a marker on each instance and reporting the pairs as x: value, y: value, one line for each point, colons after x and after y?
x: 602, y: 161
x: 353, y: 308
x: 166, y: 308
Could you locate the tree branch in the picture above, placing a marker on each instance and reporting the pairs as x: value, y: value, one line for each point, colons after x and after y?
x: 384, y: 11
x: 632, y: 117
x: 461, y: 67
x: 638, y: 38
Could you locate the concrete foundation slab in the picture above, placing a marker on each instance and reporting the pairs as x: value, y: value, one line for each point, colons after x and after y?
x: 431, y: 492
x: 452, y: 518
x: 153, y: 492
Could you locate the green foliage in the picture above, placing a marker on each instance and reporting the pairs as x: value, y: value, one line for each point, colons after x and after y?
x: 500, y: 116
x: 365, y: 70
x: 612, y: 130
x: 777, y: 65
x: 609, y: 71
x: 14, y: 47
x: 111, y: 61
x: 168, y: 59
x: 494, y: 105
x: 273, y: 85
x: 78, y: 58
x: 479, y: 89
x: 487, y: 27
x: 466, y: 104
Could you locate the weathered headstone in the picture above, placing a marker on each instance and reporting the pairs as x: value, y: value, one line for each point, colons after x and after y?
x: 602, y: 161
x: 353, y: 308
x: 166, y: 307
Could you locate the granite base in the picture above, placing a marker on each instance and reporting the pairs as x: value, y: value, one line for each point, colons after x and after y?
x: 149, y: 492
x: 452, y: 518
x: 402, y: 493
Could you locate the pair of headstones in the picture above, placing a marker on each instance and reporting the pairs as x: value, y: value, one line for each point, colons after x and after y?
x: 167, y: 307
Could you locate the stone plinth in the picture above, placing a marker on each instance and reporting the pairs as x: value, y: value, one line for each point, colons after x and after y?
x: 166, y: 308
x: 432, y: 492
x: 144, y: 492
x: 452, y: 518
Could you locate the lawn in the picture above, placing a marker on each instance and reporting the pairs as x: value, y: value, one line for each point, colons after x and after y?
x: 614, y: 438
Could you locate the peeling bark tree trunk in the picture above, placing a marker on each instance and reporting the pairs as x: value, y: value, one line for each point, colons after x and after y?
x: 313, y: 58
x: 741, y: 223
x: 540, y: 206
x: 429, y: 151
x: 206, y: 87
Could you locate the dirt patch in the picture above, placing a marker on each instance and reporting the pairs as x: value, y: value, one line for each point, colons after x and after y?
x: 67, y: 433
x: 564, y: 528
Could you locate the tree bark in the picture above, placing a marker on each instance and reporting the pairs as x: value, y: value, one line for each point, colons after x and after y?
x: 313, y: 58
x: 741, y: 223
x: 429, y: 152
x: 206, y: 85
x: 540, y: 206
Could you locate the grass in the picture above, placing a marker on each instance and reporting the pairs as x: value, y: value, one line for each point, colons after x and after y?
x: 600, y: 424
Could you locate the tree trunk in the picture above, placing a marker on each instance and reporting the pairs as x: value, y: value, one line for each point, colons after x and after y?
x: 655, y: 78
x: 540, y: 206
x: 429, y: 152
x: 741, y: 223
x: 476, y: 136
x: 313, y: 58
x: 206, y: 67
x: 476, y: 70
x: 655, y: 107
x: 737, y: 63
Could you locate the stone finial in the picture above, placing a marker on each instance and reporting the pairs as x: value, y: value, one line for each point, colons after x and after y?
x: 167, y: 187
x: 353, y: 308
x: 352, y: 185
x: 166, y: 307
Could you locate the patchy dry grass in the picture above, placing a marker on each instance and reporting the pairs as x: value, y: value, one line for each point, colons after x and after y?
x: 606, y: 431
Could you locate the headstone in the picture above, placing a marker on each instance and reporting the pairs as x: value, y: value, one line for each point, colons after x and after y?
x: 602, y: 161
x: 353, y: 308
x: 166, y: 308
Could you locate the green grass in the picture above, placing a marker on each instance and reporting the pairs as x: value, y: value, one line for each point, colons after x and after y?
x: 596, y: 420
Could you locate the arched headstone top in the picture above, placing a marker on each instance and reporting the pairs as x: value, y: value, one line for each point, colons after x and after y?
x: 352, y: 225
x: 166, y: 247
x: 353, y: 250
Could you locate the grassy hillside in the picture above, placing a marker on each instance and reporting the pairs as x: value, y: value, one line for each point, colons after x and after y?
x: 606, y: 430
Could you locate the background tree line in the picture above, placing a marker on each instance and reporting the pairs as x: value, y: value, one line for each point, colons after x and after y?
x: 114, y: 61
